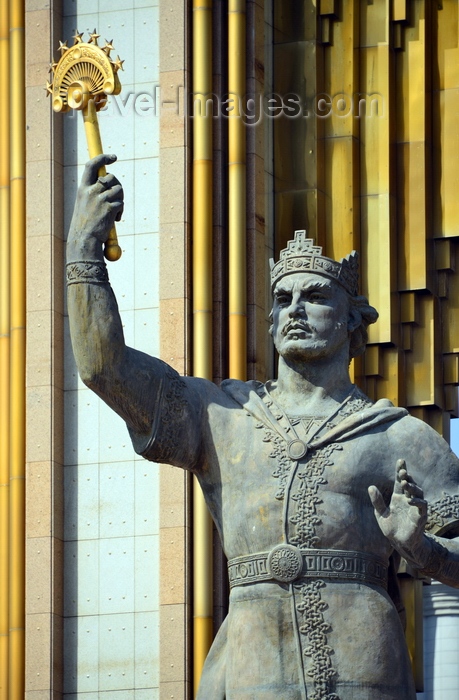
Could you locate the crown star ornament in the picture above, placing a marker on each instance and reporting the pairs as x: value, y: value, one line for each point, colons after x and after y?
x: 301, y: 255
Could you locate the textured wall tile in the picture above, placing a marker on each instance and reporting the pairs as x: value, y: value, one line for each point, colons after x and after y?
x: 116, y: 652
x: 116, y: 583
x: 146, y: 568
x: 116, y: 505
x: 146, y: 44
x: 146, y: 498
x: 146, y: 650
x: 81, y: 578
x: 146, y: 270
x: 81, y: 644
x: 81, y: 418
x: 115, y: 443
x: 146, y: 124
x: 81, y: 502
x: 146, y: 185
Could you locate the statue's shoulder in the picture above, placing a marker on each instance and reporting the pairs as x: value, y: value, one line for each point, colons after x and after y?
x: 422, y: 445
x: 241, y: 392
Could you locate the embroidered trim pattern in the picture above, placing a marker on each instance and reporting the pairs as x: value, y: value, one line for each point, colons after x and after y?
x: 313, y: 625
x: 310, y: 478
x: 173, y: 406
x: 283, y: 461
x: 87, y: 271
x: 359, y: 402
x: 441, y: 512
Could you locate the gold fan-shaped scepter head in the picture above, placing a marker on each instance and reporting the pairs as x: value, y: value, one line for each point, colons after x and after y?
x: 81, y: 79
x: 84, y: 71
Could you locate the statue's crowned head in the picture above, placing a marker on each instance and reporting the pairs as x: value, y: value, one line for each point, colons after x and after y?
x: 302, y: 256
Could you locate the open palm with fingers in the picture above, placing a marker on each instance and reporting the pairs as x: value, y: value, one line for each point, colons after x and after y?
x: 404, y: 519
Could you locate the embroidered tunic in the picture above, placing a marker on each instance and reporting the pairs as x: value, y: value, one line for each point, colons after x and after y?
x: 314, y: 638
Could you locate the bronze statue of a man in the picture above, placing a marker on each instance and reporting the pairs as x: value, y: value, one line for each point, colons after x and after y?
x: 316, y: 491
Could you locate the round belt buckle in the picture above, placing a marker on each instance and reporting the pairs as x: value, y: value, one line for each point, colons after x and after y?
x: 285, y: 563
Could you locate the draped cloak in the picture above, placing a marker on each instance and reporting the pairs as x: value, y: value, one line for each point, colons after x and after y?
x: 314, y: 638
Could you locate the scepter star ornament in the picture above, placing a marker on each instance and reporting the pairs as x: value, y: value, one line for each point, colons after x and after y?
x: 82, y: 78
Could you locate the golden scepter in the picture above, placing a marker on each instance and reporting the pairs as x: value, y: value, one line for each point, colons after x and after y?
x: 83, y: 77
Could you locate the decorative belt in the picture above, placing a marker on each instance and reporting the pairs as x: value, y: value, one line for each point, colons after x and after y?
x: 286, y: 563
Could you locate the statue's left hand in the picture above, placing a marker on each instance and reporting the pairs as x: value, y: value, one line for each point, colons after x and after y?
x: 404, y: 519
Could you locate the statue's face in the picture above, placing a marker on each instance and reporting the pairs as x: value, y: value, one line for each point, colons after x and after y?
x: 310, y: 317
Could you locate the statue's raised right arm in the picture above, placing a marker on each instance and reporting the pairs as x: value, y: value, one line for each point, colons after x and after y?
x: 131, y: 382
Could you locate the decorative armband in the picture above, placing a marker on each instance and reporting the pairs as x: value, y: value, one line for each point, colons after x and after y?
x: 443, y: 514
x: 87, y: 271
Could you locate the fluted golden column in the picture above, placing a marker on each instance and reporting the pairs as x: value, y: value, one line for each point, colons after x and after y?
x: 202, y: 317
x: 237, y: 192
x: 4, y: 343
x: 17, y: 361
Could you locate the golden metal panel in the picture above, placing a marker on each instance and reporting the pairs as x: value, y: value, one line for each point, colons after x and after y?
x: 451, y: 401
x: 442, y: 284
x: 446, y: 45
x: 444, y: 255
x: 451, y: 57
x: 341, y: 69
x: 298, y: 171
x: 391, y: 385
x: 328, y: 7
x: 408, y: 308
x: 398, y: 35
x: 327, y: 31
x: 450, y: 313
x: 407, y: 338
x: 451, y: 369
x: 374, y: 22
x: 298, y: 73
x: 411, y: 591
x: 376, y: 262
x: 411, y: 84
x: 446, y: 216
x: 341, y: 187
x: 412, y: 216
x: 399, y: 10
x: 300, y: 208
x: 375, y: 130
x: 421, y: 366
x: 373, y: 361
x: 295, y: 21
x: 388, y: 187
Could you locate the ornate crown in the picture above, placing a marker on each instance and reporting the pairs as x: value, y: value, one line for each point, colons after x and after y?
x: 301, y: 255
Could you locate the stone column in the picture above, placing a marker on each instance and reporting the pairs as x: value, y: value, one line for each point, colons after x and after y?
x: 441, y: 643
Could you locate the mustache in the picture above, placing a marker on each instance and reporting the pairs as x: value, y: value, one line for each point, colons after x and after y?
x: 295, y: 325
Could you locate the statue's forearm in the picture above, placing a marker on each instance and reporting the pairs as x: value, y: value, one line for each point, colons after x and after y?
x: 437, y: 557
x: 104, y: 362
x: 95, y: 324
